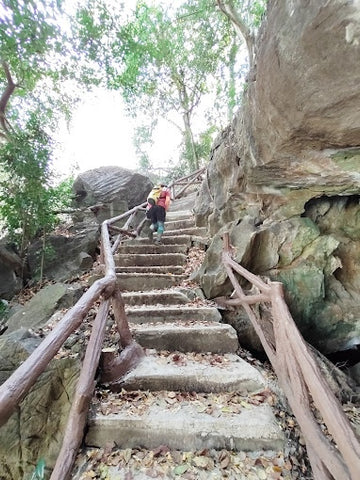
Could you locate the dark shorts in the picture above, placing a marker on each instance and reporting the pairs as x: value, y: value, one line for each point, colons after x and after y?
x: 156, y: 214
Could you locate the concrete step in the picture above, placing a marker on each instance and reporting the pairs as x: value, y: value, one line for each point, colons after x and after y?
x: 187, y: 337
x: 148, y: 281
x: 189, y: 373
x: 166, y: 314
x: 147, y: 259
x: 180, y: 224
x: 197, y: 231
x: 172, y: 215
x: 151, y: 248
x: 185, y: 427
x: 174, y: 239
x: 164, y: 297
x: 164, y: 269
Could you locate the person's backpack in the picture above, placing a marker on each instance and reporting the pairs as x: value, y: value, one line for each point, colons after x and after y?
x: 154, y: 195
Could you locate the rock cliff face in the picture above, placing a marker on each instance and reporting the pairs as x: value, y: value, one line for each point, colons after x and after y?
x: 284, y: 178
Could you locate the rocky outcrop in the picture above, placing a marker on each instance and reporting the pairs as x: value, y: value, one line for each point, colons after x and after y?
x: 11, y: 271
x: 65, y: 256
x: 110, y: 191
x: 36, y: 428
x: 284, y: 178
x: 37, y: 311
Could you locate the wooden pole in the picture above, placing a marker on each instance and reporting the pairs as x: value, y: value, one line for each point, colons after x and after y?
x: 14, y: 389
x: 80, y: 405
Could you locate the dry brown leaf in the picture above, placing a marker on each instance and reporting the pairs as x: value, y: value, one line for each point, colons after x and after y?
x: 201, y: 461
x: 225, y: 462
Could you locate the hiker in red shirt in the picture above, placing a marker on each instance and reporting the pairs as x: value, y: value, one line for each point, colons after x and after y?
x: 158, y: 204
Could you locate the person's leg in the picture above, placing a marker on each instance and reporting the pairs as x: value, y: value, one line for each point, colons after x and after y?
x: 154, y: 225
x: 161, y: 214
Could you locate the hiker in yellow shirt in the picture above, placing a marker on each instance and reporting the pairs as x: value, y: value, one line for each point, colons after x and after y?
x: 158, y: 204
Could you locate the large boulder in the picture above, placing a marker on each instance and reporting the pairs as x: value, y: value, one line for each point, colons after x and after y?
x: 284, y: 176
x: 36, y: 312
x: 35, y: 430
x: 110, y: 191
x: 65, y: 256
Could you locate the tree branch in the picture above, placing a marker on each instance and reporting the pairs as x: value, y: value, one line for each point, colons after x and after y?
x: 227, y: 7
x: 5, y: 97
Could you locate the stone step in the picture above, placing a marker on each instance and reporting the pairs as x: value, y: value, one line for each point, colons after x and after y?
x: 190, y: 373
x: 187, y: 337
x: 174, y: 216
x: 164, y: 269
x: 180, y: 224
x: 148, y: 281
x: 147, y: 259
x: 186, y: 427
x: 151, y: 248
x: 166, y: 314
x: 174, y: 239
x: 164, y: 297
x: 197, y: 231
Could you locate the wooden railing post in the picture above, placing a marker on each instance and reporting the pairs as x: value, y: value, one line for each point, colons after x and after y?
x: 299, y: 376
x: 14, y: 389
x: 83, y: 395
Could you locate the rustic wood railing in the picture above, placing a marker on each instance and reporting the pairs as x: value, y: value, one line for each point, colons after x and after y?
x: 106, y: 289
x: 185, y: 183
x: 299, y: 376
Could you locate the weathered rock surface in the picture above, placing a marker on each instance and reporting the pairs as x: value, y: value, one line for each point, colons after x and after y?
x: 35, y: 430
x: 37, y: 311
x: 284, y: 177
x: 65, y: 256
x: 11, y: 271
x: 113, y: 189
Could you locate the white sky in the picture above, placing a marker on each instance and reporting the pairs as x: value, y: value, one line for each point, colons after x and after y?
x: 101, y: 134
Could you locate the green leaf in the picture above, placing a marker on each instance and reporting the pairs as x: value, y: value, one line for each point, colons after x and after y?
x: 180, y: 469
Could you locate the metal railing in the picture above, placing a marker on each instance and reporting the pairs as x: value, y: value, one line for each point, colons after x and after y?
x: 299, y: 376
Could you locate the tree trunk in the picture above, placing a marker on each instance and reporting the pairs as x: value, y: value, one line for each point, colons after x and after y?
x: 189, y: 142
x: 5, y: 97
x: 244, y: 32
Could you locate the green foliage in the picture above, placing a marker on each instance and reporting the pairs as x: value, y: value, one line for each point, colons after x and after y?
x: 166, y: 60
x: 27, y: 199
x: 28, y: 31
x: 257, y: 11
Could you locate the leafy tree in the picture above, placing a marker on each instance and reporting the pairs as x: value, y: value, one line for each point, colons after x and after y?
x: 36, y: 61
x: 28, y: 33
x: 27, y: 198
x: 165, y: 61
x: 245, y: 16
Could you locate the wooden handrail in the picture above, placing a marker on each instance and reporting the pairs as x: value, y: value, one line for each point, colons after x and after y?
x: 15, y: 388
x: 299, y: 376
x: 82, y: 398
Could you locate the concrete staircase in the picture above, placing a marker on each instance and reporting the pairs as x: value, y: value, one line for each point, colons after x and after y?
x: 192, y: 392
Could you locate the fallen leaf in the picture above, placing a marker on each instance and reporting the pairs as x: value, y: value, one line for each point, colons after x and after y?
x: 127, y: 455
x: 180, y: 469
x: 225, y: 462
x: 201, y: 462
x: 161, y: 450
